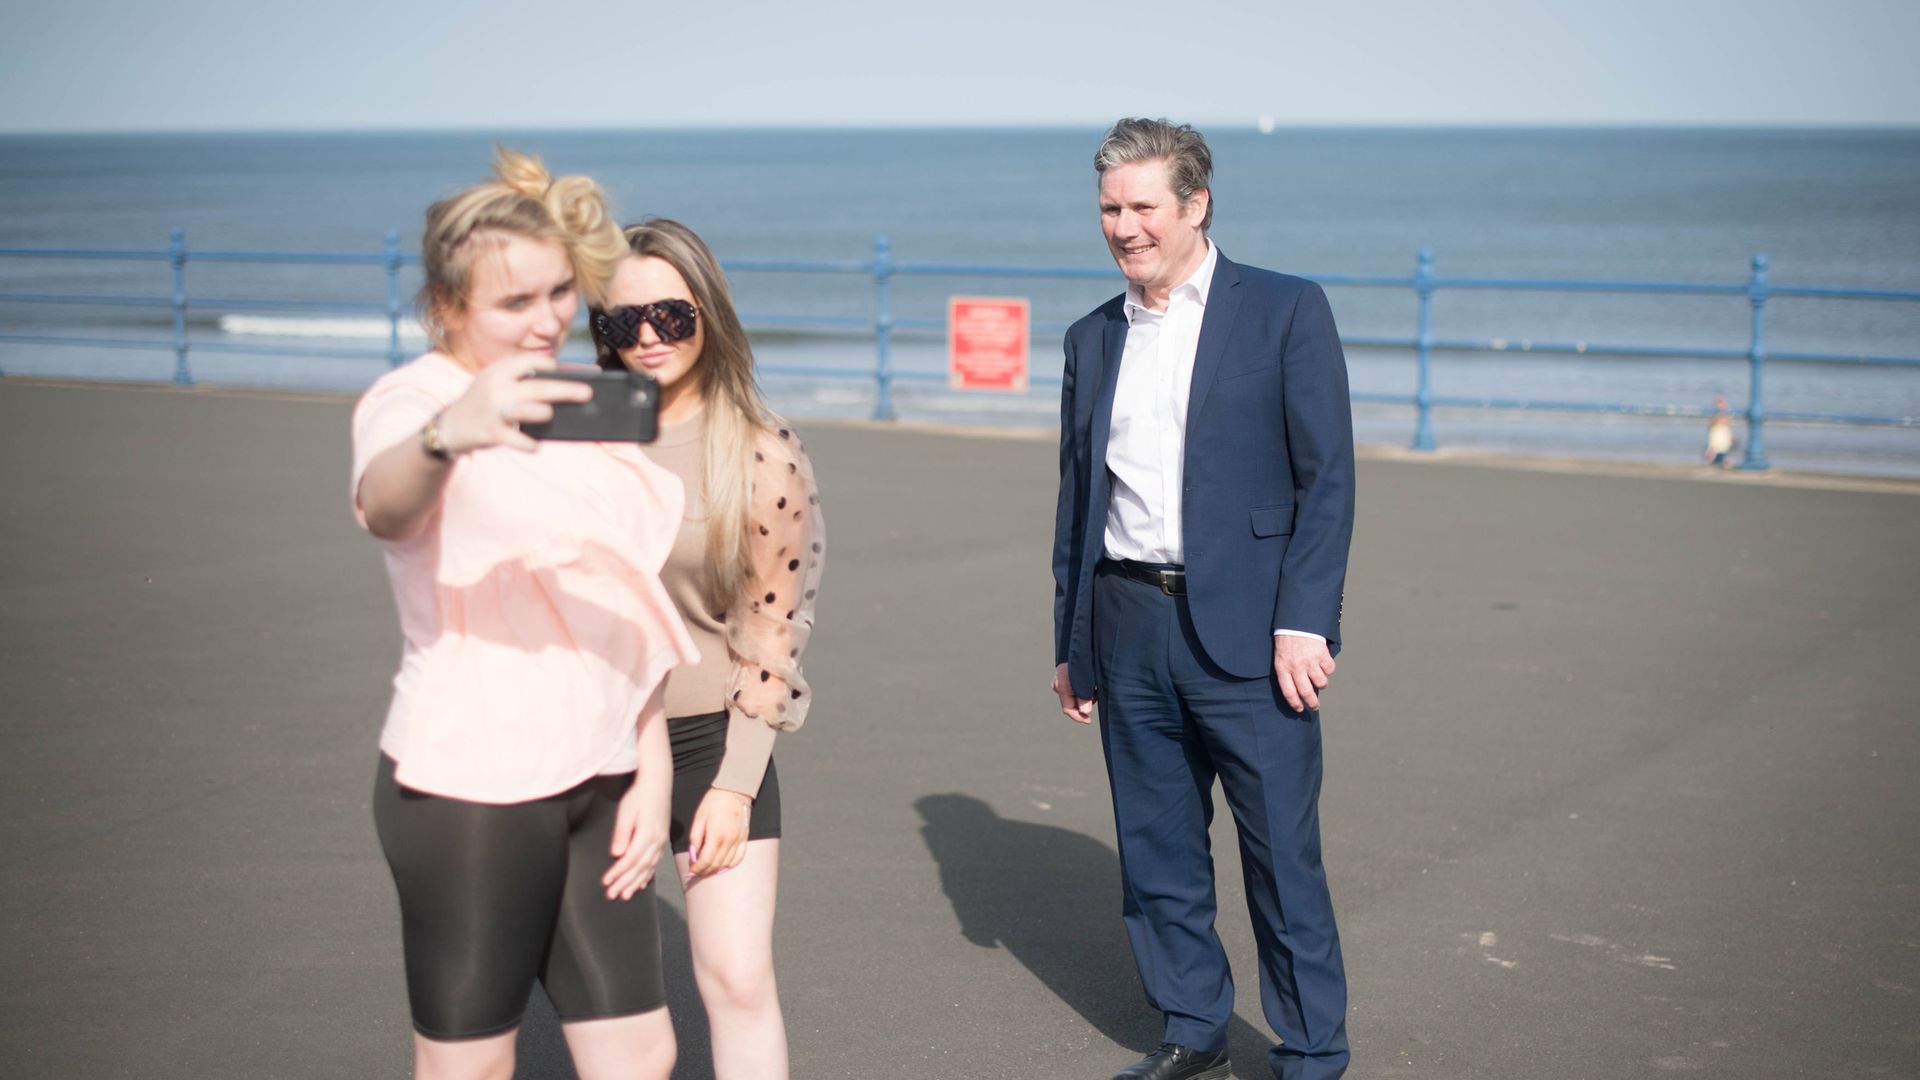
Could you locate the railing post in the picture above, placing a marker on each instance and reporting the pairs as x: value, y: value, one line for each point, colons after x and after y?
x: 392, y: 254
x: 1423, y: 348
x: 1756, y: 459
x: 882, y: 330
x: 177, y: 258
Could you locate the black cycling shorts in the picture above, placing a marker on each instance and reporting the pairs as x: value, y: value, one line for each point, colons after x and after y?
x: 699, y: 742
x: 495, y: 896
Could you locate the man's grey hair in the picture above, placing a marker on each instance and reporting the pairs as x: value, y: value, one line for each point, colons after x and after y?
x: 1189, y: 162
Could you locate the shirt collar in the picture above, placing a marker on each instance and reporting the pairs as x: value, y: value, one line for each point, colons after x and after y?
x: 1197, y: 286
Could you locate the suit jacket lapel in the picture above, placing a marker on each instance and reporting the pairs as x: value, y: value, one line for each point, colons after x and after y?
x: 1223, y: 302
x: 1113, y: 343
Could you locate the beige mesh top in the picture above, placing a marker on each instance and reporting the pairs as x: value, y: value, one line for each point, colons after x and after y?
x: 750, y: 654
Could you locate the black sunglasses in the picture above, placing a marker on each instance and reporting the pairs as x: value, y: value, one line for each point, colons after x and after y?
x: 619, y: 327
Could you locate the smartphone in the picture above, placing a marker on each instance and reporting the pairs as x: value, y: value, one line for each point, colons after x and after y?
x: 625, y: 407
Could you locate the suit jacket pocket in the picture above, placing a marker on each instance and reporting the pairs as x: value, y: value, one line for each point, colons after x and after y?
x: 1273, y: 520
x: 1266, y: 364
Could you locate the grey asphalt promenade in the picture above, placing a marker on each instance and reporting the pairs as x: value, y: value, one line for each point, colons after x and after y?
x: 1622, y: 771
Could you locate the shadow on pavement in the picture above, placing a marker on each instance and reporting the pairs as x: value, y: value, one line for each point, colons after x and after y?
x: 1047, y: 895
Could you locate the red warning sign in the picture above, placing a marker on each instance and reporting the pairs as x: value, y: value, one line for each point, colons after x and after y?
x: 987, y: 342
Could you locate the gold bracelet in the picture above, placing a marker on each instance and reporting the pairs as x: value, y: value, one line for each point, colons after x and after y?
x: 432, y: 443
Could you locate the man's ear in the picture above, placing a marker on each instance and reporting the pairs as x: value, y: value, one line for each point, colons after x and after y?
x: 1197, y: 205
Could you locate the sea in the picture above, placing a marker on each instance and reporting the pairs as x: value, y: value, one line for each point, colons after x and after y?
x: 1838, y: 208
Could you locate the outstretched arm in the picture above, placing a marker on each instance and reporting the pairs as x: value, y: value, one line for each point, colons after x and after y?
x: 401, y: 486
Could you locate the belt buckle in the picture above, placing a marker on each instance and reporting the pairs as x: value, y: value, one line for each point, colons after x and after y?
x: 1173, y: 582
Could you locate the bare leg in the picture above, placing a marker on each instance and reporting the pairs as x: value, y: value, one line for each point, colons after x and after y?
x: 490, y: 1058
x: 622, y: 1048
x: 730, y: 925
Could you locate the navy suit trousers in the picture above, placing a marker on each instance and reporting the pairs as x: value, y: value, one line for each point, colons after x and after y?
x: 1171, y: 722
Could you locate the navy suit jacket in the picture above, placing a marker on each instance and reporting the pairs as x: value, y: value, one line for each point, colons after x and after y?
x: 1267, y: 495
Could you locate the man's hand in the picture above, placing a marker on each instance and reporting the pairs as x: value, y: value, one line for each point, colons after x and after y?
x: 1077, y: 709
x: 1302, y: 665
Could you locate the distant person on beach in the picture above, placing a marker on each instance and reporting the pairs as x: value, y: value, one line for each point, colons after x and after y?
x: 744, y: 574
x: 1199, y: 561
x: 523, y: 786
x: 1720, y: 439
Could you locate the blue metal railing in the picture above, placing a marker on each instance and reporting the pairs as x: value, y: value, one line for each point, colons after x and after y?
x: 882, y: 269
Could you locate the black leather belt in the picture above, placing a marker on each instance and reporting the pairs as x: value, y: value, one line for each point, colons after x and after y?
x: 1171, y: 582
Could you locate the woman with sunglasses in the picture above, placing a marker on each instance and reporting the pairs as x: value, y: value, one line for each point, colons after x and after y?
x: 744, y: 574
x: 525, y: 775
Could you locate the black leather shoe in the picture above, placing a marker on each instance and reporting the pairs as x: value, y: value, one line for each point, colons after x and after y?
x: 1172, y: 1062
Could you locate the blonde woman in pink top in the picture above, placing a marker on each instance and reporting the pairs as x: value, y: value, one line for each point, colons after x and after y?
x: 745, y: 574
x: 522, y: 797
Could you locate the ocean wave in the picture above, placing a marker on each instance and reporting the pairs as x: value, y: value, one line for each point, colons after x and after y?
x: 361, y: 328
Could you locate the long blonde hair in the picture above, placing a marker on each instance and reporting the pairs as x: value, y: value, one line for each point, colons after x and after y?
x: 736, y: 417
x: 521, y: 200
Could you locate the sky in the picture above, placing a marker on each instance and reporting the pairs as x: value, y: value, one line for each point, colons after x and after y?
x: 122, y: 65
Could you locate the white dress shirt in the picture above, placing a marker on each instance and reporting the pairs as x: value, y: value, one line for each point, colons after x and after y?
x: 1147, y: 440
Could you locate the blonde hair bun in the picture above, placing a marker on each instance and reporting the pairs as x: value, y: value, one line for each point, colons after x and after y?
x: 594, y: 238
x: 524, y: 173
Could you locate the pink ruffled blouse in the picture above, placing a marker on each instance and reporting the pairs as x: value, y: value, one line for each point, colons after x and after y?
x: 535, y: 624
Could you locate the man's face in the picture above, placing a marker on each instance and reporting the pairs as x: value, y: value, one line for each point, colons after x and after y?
x: 1155, y: 241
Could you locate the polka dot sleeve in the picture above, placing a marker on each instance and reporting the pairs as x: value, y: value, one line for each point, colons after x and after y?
x: 768, y: 631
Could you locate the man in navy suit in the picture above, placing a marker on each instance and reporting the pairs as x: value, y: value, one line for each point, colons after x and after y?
x: 1200, y: 553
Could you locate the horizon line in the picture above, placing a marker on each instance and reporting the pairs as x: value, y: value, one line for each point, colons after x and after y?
x: 973, y: 126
